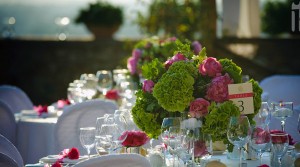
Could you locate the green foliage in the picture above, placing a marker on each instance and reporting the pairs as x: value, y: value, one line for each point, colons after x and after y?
x: 153, y: 70
x: 276, y: 17
x: 100, y: 13
x: 232, y: 69
x: 174, y: 90
x: 216, y: 122
x: 257, y: 91
x: 173, y: 17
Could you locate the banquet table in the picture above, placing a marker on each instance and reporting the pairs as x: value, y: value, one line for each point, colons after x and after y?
x: 35, y: 137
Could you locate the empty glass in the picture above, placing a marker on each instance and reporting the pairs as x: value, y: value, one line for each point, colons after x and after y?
x: 263, y: 117
x: 105, y: 81
x: 282, y: 111
x: 90, y: 86
x: 260, y: 140
x: 280, y: 144
x: 87, y: 138
x: 239, y: 132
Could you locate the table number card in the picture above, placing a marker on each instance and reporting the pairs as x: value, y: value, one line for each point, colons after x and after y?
x: 242, y: 96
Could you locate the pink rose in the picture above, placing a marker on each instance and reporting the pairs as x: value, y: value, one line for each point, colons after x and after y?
x: 61, y: 103
x: 56, y: 164
x: 177, y: 57
x: 263, y: 165
x: 198, y: 108
x: 197, y: 47
x: 218, y: 88
x: 134, y: 138
x: 148, y: 86
x: 210, y: 67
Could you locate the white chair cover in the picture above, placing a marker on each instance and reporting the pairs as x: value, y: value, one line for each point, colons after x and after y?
x: 16, y: 98
x: 7, y: 149
x: 66, y: 132
x: 116, y: 160
x: 5, y: 160
x: 8, y: 126
x: 284, y: 88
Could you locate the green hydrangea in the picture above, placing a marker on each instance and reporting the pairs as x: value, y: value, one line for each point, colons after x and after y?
x: 257, y: 91
x: 153, y: 70
x: 174, y: 90
x: 216, y: 122
x: 232, y: 69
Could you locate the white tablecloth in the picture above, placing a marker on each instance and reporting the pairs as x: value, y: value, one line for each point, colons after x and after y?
x: 35, y: 137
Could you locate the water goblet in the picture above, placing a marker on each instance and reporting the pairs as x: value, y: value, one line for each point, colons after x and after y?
x: 280, y: 144
x: 263, y: 116
x: 87, y: 138
x: 239, y: 132
x: 105, y: 81
x: 260, y: 140
x: 90, y: 86
x: 165, y: 126
x: 282, y: 111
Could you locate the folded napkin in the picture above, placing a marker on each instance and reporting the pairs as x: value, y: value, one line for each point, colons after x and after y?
x: 53, y: 158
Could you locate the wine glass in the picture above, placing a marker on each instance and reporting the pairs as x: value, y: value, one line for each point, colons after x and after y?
x: 165, y: 126
x: 90, y: 86
x: 263, y: 116
x: 280, y: 144
x: 105, y: 81
x: 87, y: 138
x: 174, y: 140
x: 282, y: 111
x: 239, y: 132
x: 100, y: 121
x: 260, y: 140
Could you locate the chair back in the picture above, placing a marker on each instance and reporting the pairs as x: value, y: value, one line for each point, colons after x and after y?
x: 9, y: 152
x: 116, y: 160
x: 8, y: 126
x: 284, y: 88
x: 16, y: 98
x: 5, y: 160
x: 66, y: 131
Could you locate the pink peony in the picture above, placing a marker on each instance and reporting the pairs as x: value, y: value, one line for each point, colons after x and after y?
x: 136, y: 54
x: 177, y: 57
x: 197, y: 47
x: 148, y: 86
x: 218, y: 88
x: 134, y: 138
x: 198, y: 108
x: 56, y: 164
x: 210, y: 67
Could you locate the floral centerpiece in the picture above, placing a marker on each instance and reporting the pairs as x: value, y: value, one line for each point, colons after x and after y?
x: 153, y: 48
x: 193, y: 85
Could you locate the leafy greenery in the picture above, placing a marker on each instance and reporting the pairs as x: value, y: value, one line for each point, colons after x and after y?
x: 232, y: 69
x: 100, y: 13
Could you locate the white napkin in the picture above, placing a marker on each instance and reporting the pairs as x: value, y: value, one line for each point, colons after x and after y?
x: 54, y: 158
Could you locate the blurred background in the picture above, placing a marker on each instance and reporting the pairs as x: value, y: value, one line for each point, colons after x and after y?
x: 43, y: 48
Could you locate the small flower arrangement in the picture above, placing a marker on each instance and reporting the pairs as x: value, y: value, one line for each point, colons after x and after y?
x: 153, y: 48
x: 41, y: 109
x: 112, y: 94
x: 134, y: 138
x: 190, y: 84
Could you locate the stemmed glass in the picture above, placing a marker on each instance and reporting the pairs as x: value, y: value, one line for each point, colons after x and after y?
x: 280, y: 144
x: 105, y: 81
x: 174, y: 140
x: 282, y: 111
x: 260, y: 140
x: 263, y: 116
x: 239, y: 132
x: 165, y: 126
x: 90, y: 86
x: 87, y: 138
